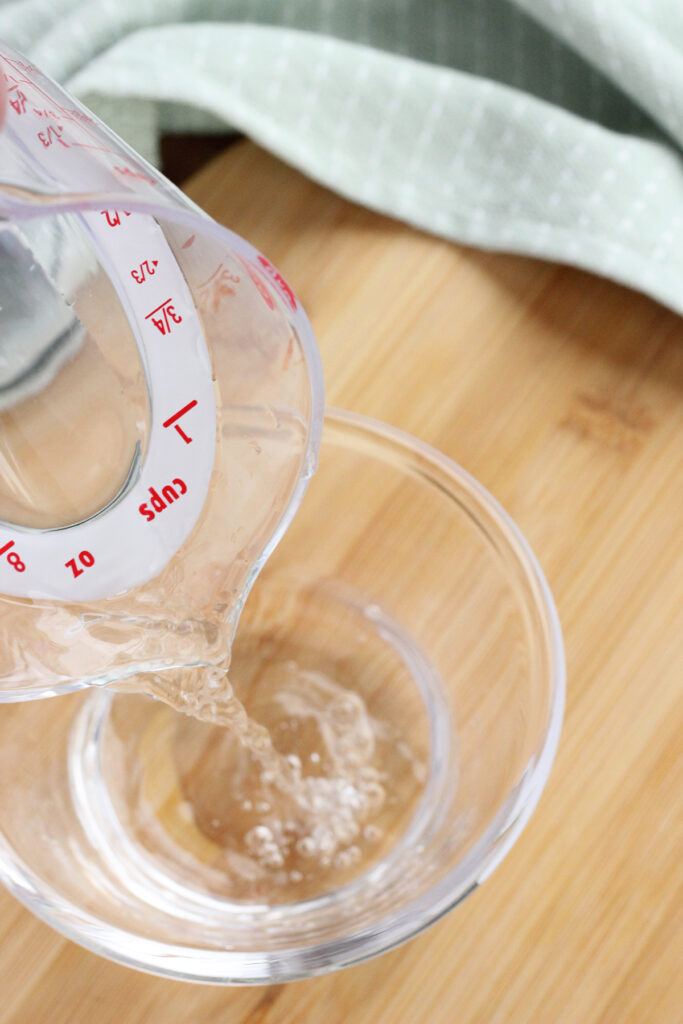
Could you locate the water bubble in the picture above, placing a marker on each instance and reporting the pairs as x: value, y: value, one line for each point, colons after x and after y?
x: 373, y: 833
x: 272, y: 858
x: 374, y: 795
x: 344, y: 711
x: 260, y: 843
x: 342, y: 860
x: 186, y: 811
x: 326, y: 842
x: 345, y: 830
x: 351, y: 797
x: 306, y: 846
x: 258, y: 839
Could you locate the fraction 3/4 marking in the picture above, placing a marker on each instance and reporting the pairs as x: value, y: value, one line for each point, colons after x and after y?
x: 164, y: 316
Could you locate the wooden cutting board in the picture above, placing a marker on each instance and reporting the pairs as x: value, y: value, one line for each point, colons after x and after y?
x: 562, y: 393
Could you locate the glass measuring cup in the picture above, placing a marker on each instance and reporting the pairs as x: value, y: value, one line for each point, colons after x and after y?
x: 161, y: 406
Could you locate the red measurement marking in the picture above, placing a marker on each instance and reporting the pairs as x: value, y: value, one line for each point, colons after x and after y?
x: 17, y: 67
x: 13, y: 557
x: 188, y: 242
x: 221, y: 274
x: 129, y: 173
x: 172, y: 420
x: 260, y: 284
x: 141, y: 273
x: 99, y: 149
x: 113, y: 217
x: 18, y: 102
x: 19, y: 75
x: 86, y: 559
x: 217, y: 287
x: 279, y: 280
x: 78, y: 115
x: 14, y: 63
x: 167, y: 316
x: 156, y: 502
x: 289, y: 353
x: 61, y: 115
x: 53, y: 133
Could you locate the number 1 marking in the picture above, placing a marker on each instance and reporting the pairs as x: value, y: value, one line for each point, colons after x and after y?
x: 171, y: 421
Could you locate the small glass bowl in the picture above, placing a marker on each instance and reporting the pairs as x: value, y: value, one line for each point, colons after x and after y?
x: 400, y: 579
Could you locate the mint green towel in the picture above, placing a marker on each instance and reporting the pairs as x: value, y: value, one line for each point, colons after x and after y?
x: 547, y: 127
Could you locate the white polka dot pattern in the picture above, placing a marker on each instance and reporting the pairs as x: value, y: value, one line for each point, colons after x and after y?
x: 551, y: 127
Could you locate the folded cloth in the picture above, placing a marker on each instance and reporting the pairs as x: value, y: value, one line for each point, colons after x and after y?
x: 547, y: 127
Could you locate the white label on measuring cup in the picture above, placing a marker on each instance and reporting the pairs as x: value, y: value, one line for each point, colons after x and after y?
x: 132, y: 540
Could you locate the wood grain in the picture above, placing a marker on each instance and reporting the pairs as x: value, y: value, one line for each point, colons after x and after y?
x: 562, y: 393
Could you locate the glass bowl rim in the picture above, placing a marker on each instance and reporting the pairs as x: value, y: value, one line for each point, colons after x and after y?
x: 231, y: 967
